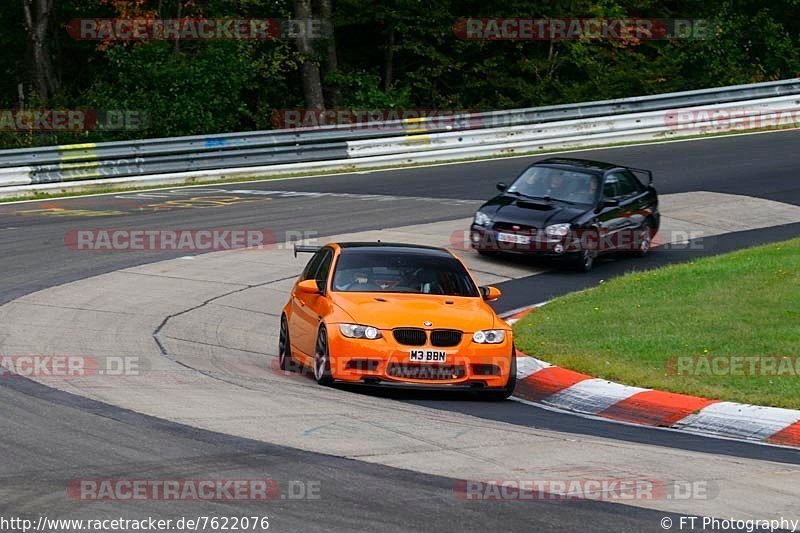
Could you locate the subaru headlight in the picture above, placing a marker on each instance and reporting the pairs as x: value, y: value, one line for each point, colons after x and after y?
x: 557, y: 230
x: 482, y: 219
x: 357, y: 331
x: 489, y: 336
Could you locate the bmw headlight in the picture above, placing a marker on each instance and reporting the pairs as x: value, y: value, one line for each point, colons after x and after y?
x: 489, y: 336
x: 482, y: 219
x: 557, y: 230
x: 357, y: 331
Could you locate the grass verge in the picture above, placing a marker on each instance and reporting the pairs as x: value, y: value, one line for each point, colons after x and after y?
x: 693, y: 328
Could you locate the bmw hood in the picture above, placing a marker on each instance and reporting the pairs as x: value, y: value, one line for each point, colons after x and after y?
x: 392, y: 310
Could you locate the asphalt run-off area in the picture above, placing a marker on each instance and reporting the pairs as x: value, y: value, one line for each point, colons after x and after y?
x: 208, y: 401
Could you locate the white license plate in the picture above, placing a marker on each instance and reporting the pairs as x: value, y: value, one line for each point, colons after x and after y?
x: 511, y: 237
x: 428, y: 356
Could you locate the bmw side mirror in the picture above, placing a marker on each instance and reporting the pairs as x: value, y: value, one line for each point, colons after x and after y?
x: 501, y: 186
x: 490, y: 293
x: 308, y: 286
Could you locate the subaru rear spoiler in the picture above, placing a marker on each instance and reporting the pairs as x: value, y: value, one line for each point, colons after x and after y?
x: 648, y: 173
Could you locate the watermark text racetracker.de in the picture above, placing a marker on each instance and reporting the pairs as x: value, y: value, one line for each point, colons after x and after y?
x: 72, y: 120
x: 186, y: 240
x: 67, y: 366
x: 518, y: 239
x: 587, y: 29
x: 733, y: 365
x: 195, y: 29
x: 727, y: 119
x: 610, y: 489
x: 212, y: 490
x: 416, y: 120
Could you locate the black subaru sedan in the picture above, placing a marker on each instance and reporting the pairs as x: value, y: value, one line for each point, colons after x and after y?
x: 570, y: 209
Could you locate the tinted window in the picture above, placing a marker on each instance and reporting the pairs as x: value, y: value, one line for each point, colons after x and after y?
x: 556, y: 184
x: 627, y: 185
x: 321, y: 275
x: 313, y: 265
x: 406, y: 272
x: 610, y: 186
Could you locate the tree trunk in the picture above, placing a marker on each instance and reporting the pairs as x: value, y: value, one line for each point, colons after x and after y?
x: 312, y: 83
x: 331, y: 61
x: 37, y: 22
x: 177, y: 48
x: 388, y: 60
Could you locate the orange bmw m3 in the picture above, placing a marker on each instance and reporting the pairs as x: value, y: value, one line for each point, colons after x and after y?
x: 396, y: 315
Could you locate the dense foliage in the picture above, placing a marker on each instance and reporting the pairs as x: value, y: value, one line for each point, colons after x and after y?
x: 389, y: 54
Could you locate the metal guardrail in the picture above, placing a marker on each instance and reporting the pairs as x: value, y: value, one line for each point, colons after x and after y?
x: 337, y: 143
x: 667, y: 123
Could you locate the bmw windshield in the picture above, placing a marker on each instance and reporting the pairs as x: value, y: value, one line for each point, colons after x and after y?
x: 406, y: 272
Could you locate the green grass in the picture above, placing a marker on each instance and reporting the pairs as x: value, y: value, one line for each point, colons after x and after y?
x: 745, y: 303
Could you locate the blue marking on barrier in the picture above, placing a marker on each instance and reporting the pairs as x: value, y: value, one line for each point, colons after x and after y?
x: 211, y: 143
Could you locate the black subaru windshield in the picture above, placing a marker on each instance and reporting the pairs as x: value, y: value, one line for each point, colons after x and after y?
x: 545, y: 183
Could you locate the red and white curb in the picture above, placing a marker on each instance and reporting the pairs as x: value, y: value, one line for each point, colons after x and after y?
x: 552, y: 386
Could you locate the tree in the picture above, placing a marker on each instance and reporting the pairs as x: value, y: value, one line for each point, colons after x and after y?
x: 331, y: 61
x: 395, y: 54
x: 38, y: 26
x: 312, y: 81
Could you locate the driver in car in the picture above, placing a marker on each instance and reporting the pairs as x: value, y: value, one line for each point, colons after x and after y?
x: 583, y: 192
x: 353, y: 280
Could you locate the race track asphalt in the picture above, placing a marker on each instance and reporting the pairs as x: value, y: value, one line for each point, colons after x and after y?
x: 50, y: 437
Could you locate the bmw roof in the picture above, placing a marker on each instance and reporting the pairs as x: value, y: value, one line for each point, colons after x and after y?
x: 393, y: 247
